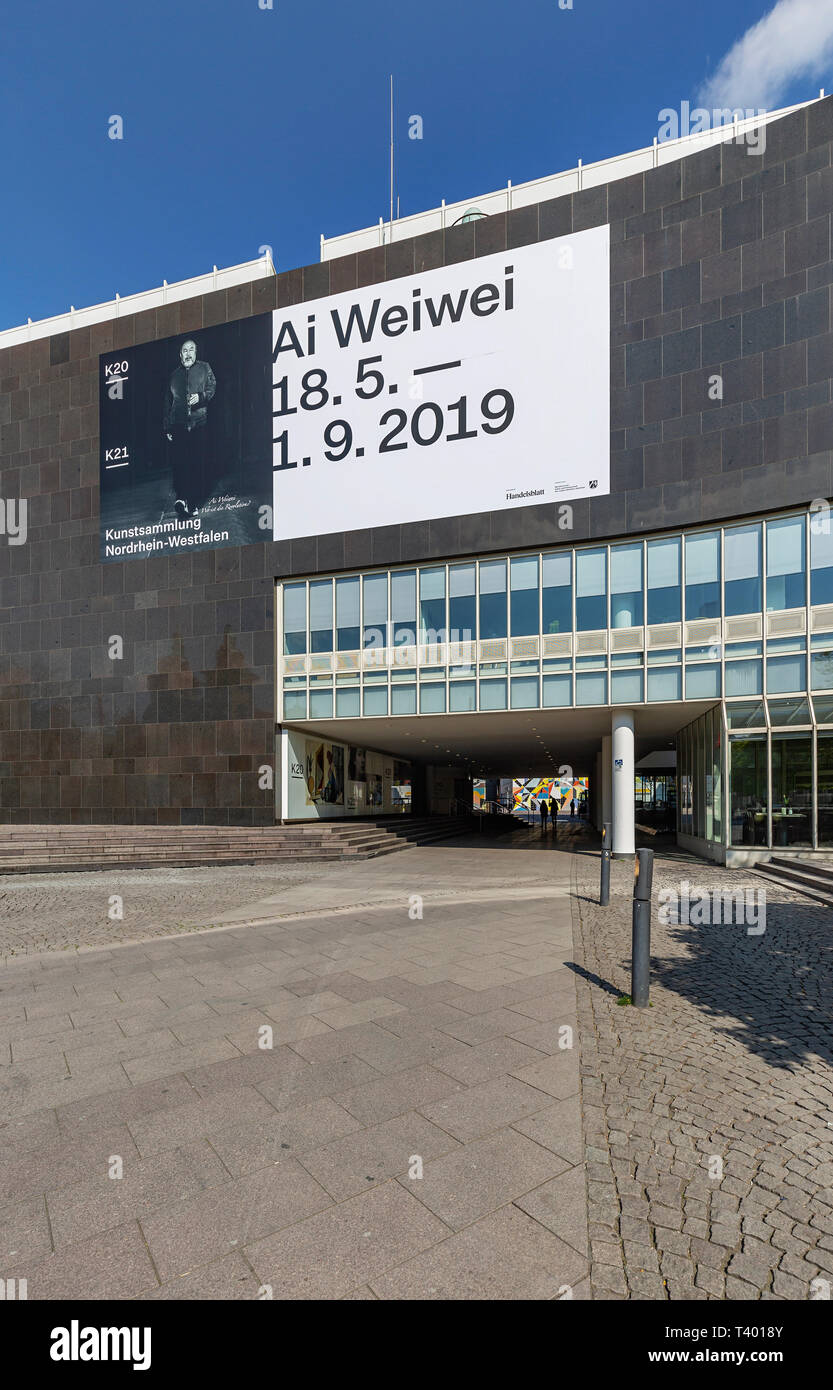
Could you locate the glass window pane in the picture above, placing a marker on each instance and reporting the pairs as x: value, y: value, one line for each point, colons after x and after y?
x: 492, y: 599
x: 744, y: 678
x: 626, y: 687
x: 347, y: 614
x: 746, y: 715
x: 821, y: 669
x: 321, y: 615
x: 824, y: 709
x: 523, y: 584
x: 493, y: 694
x: 375, y: 597
x: 432, y: 698
x: 295, y: 704
x: 743, y: 590
x: 796, y: 711
x: 821, y: 557
x: 462, y: 616
x: 432, y: 624
x: 748, y: 790
x: 557, y: 592
x: 321, y: 704
x: 665, y: 683
x: 591, y: 581
x: 792, y: 789
x: 785, y: 586
x: 785, y: 673
x: 462, y: 697
x: 558, y: 691
x: 348, y: 704
x: 403, y: 699
x: 824, y: 760
x: 294, y: 619
x: 664, y: 601
x: 376, y: 700
x: 524, y: 692
x: 702, y: 682
x: 591, y: 689
x: 626, y: 586
x: 702, y: 576
x: 403, y: 607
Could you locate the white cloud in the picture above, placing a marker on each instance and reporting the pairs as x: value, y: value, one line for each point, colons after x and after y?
x: 794, y: 41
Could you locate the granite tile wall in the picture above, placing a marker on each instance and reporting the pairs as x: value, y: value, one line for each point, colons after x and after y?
x: 720, y: 264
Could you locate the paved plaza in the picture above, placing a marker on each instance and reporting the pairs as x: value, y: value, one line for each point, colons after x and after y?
x: 451, y: 1090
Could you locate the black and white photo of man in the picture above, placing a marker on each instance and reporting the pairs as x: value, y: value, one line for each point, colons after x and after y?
x: 190, y: 389
x: 186, y: 441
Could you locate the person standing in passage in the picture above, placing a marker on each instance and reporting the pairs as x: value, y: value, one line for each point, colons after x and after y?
x: 573, y: 807
x: 544, y: 809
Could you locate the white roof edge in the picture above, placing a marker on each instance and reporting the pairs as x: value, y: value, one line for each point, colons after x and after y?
x: 553, y: 185
x: 137, y: 303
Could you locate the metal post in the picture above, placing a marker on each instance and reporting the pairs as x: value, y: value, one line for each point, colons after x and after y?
x: 604, y: 891
x: 641, y: 937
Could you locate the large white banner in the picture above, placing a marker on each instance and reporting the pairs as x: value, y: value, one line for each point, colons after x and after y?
x: 471, y: 388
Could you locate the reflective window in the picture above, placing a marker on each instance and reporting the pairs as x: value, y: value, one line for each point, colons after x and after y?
x: 375, y: 595
x: 462, y: 614
x: 792, y: 789
x: 785, y: 586
x: 824, y: 772
x: 742, y: 590
x: 744, y: 678
x: 321, y: 704
x: 626, y: 586
x: 493, y: 694
x: 821, y: 670
x: 295, y: 704
x: 321, y: 615
x: 462, y: 697
x: 591, y: 689
x: 558, y: 691
x: 348, y: 627
x: 432, y: 698
x: 591, y: 584
x: 376, y: 700
x: 626, y: 687
x: 557, y: 592
x: 748, y: 790
x: 702, y: 682
x: 348, y: 703
x: 785, y: 673
x: 294, y: 619
x: 492, y: 599
x: 524, y: 692
x: 664, y: 601
x: 432, y: 624
x: 665, y: 683
x: 403, y: 607
x: 821, y: 558
x: 746, y: 715
x: 523, y: 596
x: 702, y: 576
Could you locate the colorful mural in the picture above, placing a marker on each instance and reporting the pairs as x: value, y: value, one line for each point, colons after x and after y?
x: 525, y: 791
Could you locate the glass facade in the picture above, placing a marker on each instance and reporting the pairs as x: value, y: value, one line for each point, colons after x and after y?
x: 735, y: 613
x: 774, y: 757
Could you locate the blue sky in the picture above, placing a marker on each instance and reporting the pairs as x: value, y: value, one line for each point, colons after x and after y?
x: 245, y: 126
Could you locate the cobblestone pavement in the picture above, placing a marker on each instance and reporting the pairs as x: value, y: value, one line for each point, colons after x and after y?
x: 58, y: 912
x: 734, y: 1060
x: 414, y: 1131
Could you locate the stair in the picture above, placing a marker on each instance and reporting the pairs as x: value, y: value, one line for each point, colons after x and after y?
x: 812, y: 877
x: 64, y: 848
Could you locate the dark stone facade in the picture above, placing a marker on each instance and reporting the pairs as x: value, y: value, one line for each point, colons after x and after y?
x: 720, y: 262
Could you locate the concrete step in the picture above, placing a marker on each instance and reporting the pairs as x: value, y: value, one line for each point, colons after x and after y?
x: 57, y: 848
x: 801, y: 877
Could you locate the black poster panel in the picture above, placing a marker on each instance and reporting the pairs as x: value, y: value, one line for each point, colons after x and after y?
x: 186, y: 442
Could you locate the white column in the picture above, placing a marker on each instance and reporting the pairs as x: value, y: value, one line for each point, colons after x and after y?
x: 598, y: 819
x: 623, y: 784
x: 607, y: 791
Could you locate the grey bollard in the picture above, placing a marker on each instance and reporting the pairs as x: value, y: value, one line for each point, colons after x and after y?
x: 641, y: 937
x: 604, y: 890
